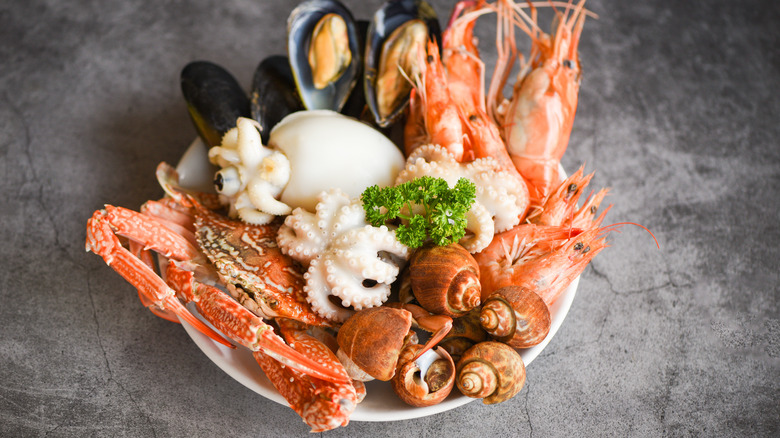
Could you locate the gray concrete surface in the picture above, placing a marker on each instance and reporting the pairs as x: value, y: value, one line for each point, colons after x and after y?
x: 678, y: 115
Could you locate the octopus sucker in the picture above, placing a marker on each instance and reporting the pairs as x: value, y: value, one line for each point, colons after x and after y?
x: 501, y: 198
x: 352, y: 263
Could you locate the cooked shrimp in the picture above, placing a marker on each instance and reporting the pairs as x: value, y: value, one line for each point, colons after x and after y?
x: 466, y: 78
x: 432, y: 117
x: 546, y: 266
x: 559, y: 207
x: 538, y: 118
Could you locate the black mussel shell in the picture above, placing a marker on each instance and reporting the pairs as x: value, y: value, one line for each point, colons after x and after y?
x: 356, y: 102
x: 273, y: 93
x: 215, y: 100
x: 300, y: 26
x: 392, y: 15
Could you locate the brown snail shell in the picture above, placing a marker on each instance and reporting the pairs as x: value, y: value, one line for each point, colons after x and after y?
x: 445, y: 279
x: 428, y: 389
x: 492, y: 371
x: 465, y: 332
x: 373, y: 338
x: 516, y: 316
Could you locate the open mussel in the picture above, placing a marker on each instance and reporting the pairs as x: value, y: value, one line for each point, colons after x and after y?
x: 215, y: 100
x: 399, y: 30
x: 324, y: 51
x: 356, y: 102
x: 273, y: 94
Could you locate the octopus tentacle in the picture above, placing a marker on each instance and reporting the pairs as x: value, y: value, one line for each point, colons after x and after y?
x: 252, y: 176
x: 347, y: 258
x: 501, y: 198
x: 317, y: 280
x: 480, y: 229
x: 358, y: 252
x: 300, y: 238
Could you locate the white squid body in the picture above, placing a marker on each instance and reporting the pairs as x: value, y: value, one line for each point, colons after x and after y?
x: 308, y: 152
x: 328, y: 150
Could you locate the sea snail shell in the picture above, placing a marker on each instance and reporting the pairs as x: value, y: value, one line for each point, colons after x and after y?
x: 445, y: 279
x: 426, y: 381
x: 371, y: 340
x: 465, y: 332
x: 491, y: 371
x: 516, y: 316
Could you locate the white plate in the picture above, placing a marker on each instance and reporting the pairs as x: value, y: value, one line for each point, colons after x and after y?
x: 381, y: 403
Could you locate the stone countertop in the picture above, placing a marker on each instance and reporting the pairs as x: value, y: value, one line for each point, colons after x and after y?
x: 678, y: 115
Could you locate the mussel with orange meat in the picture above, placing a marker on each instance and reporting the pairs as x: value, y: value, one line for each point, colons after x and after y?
x: 398, y: 31
x: 324, y: 51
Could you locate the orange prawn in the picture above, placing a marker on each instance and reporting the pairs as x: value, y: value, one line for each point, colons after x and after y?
x: 466, y: 78
x: 547, y: 274
x: 432, y: 116
x: 538, y: 119
x: 559, y: 207
x: 507, y: 259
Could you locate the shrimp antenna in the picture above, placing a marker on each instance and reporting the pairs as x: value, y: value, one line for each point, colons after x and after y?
x: 615, y: 226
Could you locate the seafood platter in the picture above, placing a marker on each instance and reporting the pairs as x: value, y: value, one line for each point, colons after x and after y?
x: 351, y: 276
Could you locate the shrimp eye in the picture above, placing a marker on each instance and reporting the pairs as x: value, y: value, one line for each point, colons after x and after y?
x: 429, y: 59
x: 593, y: 209
x: 473, y: 118
x: 567, y: 63
x: 572, y: 187
x: 578, y: 246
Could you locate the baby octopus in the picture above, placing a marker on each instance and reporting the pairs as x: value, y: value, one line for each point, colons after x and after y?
x: 500, y: 199
x: 346, y: 257
x: 252, y: 175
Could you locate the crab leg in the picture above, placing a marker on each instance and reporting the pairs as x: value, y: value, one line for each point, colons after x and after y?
x: 102, y: 241
x: 301, y: 393
x: 149, y: 231
x: 146, y: 256
x: 438, y: 325
x: 243, y: 326
x: 328, y: 405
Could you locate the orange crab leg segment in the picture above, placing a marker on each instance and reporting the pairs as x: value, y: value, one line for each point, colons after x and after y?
x: 145, y: 229
x: 243, y: 326
x: 102, y: 241
x: 329, y: 404
x: 296, y: 388
x: 438, y: 325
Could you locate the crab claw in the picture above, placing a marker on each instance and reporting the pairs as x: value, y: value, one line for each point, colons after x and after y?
x: 102, y: 241
x: 243, y: 326
x: 438, y: 325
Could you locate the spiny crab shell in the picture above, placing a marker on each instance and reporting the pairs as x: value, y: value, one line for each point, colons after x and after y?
x: 347, y: 258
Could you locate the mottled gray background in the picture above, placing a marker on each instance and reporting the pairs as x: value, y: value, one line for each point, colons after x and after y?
x: 678, y: 115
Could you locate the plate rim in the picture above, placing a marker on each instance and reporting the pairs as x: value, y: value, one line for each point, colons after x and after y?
x: 240, y: 364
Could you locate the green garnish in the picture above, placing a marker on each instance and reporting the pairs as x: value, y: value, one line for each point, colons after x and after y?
x: 427, y: 207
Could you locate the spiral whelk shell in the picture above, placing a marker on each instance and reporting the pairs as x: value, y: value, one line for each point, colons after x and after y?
x: 516, y: 316
x: 445, y: 279
x: 492, y: 371
x: 466, y: 331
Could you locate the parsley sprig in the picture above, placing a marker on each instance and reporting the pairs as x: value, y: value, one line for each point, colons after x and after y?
x: 426, y: 207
